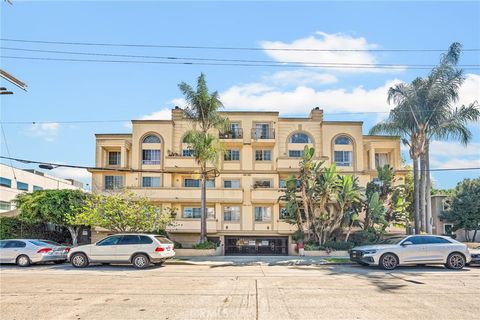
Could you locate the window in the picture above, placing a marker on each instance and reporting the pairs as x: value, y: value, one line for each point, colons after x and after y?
x: 145, y: 240
x: 5, y: 182
x: 295, y: 153
x: 263, y: 214
x: 129, y: 239
x: 114, y: 158
x: 283, y: 183
x: 381, y: 159
x: 22, y: 186
x: 299, y: 138
x: 151, y: 157
x: 284, y: 214
x: 434, y: 240
x: 163, y: 240
x: 343, y: 158
x: 113, y: 182
x: 195, y: 183
x: 262, y: 184
x: 150, y: 182
x: 187, y: 153
x: 151, y: 139
x: 231, y: 155
x: 415, y: 240
x: 15, y: 244
x: 5, y: 205
x: 263, y: 155
x: 109, y: 241
x: 262, y: 131
x: 36, y: 188
x: 196, y: 213
x: 447, y: 228
x: 231, y: 214
x: 231, y: 184
x: 343, y: 140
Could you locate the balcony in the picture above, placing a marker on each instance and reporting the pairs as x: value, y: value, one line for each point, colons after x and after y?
x: 231, y: 134
x: 180, y: 162
x: 191, y: 225
x: 175, y: 195
x: 288, y: 164
x: 266, y: 195
x: 263, y: 136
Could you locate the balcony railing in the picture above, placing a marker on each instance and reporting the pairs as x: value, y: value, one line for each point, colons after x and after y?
x: 231, y: 134
x: 262, y: 133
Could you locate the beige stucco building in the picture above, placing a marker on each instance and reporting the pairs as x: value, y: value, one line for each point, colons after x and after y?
x: 262, y: 150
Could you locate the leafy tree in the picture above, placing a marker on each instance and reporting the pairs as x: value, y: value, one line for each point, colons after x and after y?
x: 60, y: 207
x: 464, y: 210
x: 123, y: 212
x: 202, y: 111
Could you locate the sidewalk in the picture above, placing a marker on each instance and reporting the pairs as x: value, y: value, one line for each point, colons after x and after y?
x: 258, y: 260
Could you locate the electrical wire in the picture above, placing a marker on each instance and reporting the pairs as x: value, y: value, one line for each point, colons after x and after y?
x: 224, y: 47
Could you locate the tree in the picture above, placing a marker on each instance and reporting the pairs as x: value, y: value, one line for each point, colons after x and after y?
x: 464, y: 210
x: 123, y: 212
x: 424, y: 111
x: 60, y: 207
x: 202, y: 111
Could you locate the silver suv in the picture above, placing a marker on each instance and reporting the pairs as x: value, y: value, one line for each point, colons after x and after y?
x: 411, y: 250
x: 138, y: 249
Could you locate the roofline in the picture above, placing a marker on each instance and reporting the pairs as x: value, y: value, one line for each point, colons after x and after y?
x: 152, y: 120
x: 358, y: 123
x: 113, y: 134
x: 250, y: 112
x: 380, y: 136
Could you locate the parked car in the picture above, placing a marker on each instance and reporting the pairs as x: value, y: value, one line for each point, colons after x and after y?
x: 24, y: 252
x: 138, y: 249
x: 475, y: 253
x: 412, y: 250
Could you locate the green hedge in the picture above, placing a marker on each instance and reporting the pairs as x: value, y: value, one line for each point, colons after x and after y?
x: 330, y: 245
x: 205, y: 245
x: 13, y: 228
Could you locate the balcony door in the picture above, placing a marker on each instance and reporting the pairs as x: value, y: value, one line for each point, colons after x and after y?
x: 262, y: 131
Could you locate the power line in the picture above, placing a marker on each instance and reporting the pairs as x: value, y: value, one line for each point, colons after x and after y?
x: 393, y: 67
x: 225, y: 47
x: 399, y: 65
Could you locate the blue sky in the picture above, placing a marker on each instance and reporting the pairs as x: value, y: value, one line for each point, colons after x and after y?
x: 64, y: 91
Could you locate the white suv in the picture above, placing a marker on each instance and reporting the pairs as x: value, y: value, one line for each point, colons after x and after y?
x: 138, y: 249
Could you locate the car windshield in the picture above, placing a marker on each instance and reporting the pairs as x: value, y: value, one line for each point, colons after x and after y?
x: 392, y: 240
x: 163, y: 240
x: 52, y: 242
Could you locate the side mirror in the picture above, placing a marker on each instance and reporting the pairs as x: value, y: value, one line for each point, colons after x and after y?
x: 407, y: 243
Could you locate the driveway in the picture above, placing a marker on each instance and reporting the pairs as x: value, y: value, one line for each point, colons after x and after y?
x: 238, y: 292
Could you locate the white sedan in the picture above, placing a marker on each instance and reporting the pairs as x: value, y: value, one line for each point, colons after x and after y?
x: 412, y: 250
x: 140, y: 250
x: 24, y: 252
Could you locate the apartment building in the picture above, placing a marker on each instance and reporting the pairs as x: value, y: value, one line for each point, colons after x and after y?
x: 14, y: 181
x: 262, y: 150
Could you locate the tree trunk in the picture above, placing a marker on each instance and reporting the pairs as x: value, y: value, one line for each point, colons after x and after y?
x: 74, y: 234
x: 307, y: 211
x: 429, y: 190
x: 348, y: 233
x: 203, y: 215
x: 474, y: 235
x: 423, y: 185
x: 416, y: 196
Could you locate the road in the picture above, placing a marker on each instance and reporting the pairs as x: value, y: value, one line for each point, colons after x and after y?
x: 238, y: 292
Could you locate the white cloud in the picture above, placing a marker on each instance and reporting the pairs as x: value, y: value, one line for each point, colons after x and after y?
x: 325, y: 41
x: 72, y: 173
x: 470, y: 90
x: 455, y: 163
x: 300, y: 77
x: 46, y: 131
x: 164, y: 114
x: 447, y: 149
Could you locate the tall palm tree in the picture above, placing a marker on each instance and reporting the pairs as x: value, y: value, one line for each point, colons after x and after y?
x: 203, y: 111
x: 424, y: 108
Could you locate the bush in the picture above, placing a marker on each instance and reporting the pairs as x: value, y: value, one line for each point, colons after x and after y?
x: 313, y: 247
x: 205, y: 245
x: 14, y: 228
x: 338, y: 245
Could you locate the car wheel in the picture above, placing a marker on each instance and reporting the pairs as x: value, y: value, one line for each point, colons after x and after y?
x: 140, y: 261
x: 455, y: 261
x: 79, y: 260
x: 388, y: 261
x: 23, y: 261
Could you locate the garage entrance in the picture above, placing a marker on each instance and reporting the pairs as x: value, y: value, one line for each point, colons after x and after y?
x: 240, y: 245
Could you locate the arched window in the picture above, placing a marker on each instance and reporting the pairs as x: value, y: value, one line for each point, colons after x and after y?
x: 151, y: 139
x: 343, y: 140
x: 299, y: 138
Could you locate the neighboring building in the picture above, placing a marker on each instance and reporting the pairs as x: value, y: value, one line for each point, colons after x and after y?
x: 439, y: 204
x: 14, y: 181
x: 263, y: 150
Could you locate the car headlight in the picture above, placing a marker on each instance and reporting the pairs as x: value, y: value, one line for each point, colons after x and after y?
x: 371, y: 251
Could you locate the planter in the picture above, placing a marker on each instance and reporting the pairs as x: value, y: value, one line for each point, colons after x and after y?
x: 198, y: 252
x: 323, y: 253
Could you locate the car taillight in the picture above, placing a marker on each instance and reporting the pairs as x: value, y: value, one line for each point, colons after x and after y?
x: 159, y: 249
x: 44, y: 250
x: 67, y: 249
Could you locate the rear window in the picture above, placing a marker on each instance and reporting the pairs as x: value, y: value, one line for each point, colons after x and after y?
x: 163, y: 240
x: 41, y: 243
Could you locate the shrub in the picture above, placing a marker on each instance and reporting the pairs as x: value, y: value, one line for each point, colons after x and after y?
x: 340, y: 245
x: 12, y: 228
x: 205, y: 245
x: 312, y: 247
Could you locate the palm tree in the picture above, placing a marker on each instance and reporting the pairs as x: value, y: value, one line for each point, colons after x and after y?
x: 425, y: 111
x: 202, y: 111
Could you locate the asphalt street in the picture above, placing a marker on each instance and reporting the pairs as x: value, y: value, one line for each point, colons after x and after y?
x: 238, y: 292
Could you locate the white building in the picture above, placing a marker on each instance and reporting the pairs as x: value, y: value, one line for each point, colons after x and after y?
x: 14, y: 181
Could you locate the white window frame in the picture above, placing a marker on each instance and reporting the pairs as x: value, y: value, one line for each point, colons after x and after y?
x: 236, y: 213
x: 344, y: 162
x: 266, y: 209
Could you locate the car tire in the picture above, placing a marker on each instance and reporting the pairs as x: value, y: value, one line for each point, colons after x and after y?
x: 388, y: 261
x: 455, y: 261
x: 23, y: 261
x: 140, y: 261
x: 79, y: 260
